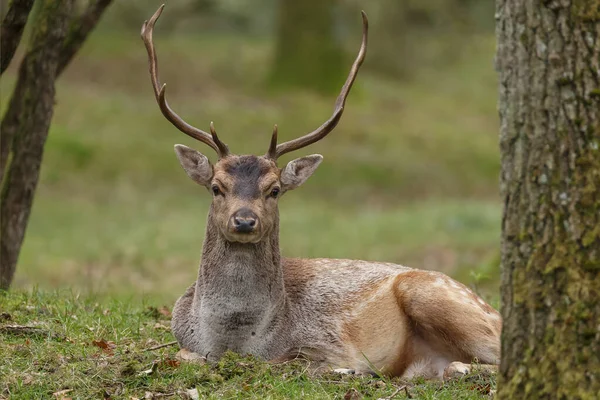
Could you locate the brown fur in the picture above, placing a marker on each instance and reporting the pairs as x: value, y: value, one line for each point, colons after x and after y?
x: 363, y: 315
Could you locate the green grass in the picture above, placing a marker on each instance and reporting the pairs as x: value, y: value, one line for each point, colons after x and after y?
x: 92, y: 349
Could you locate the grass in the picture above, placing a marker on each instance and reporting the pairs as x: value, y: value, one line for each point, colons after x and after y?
x: 81, y: 347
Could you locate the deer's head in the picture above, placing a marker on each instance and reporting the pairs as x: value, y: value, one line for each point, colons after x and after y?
x: 246, y: 188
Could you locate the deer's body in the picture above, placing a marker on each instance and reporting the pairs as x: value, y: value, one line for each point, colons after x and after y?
x: 341, y: 313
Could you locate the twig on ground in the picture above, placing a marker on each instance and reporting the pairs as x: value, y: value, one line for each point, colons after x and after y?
x: 26, y: 330
x: 160, y: 346
x: 391, y: 396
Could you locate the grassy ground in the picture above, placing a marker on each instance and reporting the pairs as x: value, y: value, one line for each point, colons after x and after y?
x: 62, y: 345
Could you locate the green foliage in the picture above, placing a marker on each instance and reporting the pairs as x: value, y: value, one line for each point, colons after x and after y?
x: 87, y: 348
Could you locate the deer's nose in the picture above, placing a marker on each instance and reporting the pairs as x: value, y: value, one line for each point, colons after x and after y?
x: 244, y: 221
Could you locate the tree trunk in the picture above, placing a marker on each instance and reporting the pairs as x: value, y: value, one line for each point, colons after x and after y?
x: 36, y: 101
x: 12, y: 29
x: 79, y: 29
x: 548, y: 60
x: 56, y: 37
x: 307, y: 53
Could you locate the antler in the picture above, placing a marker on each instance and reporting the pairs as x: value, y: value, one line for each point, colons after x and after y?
x: 323, y: 130
x: 159, y: 92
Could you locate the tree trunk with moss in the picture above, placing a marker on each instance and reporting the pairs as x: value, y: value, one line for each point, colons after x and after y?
x: 56, y: 35
x: 307, y: 53
x: 548, y: 58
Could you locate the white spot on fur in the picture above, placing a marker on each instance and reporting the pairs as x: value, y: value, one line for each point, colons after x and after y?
x: 494, y: 315
x: 439, y: 282
x: 454, y: 284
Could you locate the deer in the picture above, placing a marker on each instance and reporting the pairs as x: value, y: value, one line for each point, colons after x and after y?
x: 351, y: 316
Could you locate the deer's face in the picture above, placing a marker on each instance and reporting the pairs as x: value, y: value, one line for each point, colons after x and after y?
x: 245, y: 190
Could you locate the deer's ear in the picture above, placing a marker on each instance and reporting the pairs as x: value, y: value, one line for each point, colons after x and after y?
x: 297, y: 171
x: 195, y: 164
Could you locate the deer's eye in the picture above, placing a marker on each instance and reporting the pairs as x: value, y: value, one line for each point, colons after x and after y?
x: 216, y: 191
x: 275, y: 192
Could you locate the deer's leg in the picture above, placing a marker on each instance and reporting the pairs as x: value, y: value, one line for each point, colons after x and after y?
x: 458, y: 369
x: 449, y: 322
x: 181, y: 324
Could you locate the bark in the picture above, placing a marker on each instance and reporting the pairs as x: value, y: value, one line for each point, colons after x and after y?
x: 307, y: 53
x: 79, y: 29
x: 548, y: 59
x: 38, y: 73
x: 13, y: 25
x: 56, y: 37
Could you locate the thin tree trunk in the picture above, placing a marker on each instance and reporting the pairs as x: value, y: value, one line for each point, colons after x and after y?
x: 549, y: 68
x: 38, y: 73
x: 307, y: 53
x: 56, y: 37
x: 13, y: 25
x: 78, y: 31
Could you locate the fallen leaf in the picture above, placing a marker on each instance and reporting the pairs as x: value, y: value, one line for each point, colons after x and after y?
x: 352, y: 394
x: 61, y: 394
x: 170, y: 362
x: 165, y: 311
x: 28, y: 379
x: 5, y: 316
x: 160, y: 326
x: 106, y: 312
x: 104, y: 345
x: 149, y: 371
x: 193, y: 393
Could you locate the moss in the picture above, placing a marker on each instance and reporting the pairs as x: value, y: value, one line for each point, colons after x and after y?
x: 523, y: 39
x: 587, y: 10
x: 594, y: 94
x: 564, y: 81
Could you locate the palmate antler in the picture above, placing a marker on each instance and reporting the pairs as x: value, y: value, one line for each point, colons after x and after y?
x: 275, y: 150
x: 159, y: 92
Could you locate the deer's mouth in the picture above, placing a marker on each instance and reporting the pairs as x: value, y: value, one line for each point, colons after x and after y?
x: 237, y: 237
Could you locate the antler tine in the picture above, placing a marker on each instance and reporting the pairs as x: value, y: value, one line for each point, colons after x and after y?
x: 223, y: 149
x: 331, y: 123
x: 159, y: 93
x: 272, y: 153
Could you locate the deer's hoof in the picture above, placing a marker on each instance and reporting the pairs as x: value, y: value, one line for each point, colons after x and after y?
x: 456, y: 370
x: 344, y: 371
x: 189, y: 356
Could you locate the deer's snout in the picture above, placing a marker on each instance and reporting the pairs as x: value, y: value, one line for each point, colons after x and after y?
x: 244, y: 221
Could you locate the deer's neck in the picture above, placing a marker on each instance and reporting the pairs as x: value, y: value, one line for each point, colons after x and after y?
x: 240, y: 283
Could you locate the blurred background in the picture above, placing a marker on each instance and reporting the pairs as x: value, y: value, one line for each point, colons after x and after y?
x: 409, y: 175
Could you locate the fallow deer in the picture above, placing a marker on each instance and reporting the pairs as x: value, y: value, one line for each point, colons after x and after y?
x: 362, y: 315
